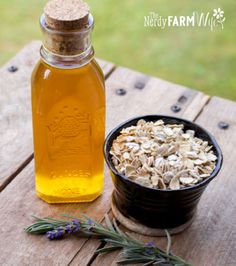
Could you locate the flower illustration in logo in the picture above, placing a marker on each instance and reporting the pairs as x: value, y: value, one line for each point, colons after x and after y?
x: 218, y: 13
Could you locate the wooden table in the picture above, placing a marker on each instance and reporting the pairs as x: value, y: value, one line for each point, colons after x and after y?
x: 211, y: 239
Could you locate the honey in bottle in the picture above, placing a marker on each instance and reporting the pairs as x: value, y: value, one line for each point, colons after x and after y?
x: 68, y: 107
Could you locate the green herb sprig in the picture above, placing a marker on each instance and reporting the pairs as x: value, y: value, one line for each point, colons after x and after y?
x: 133, y: 250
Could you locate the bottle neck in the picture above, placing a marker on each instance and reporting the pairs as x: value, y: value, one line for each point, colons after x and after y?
x: 64, y: 61
x: 67, y: 48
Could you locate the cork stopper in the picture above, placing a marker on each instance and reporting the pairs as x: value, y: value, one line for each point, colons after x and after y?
x: 67, y: 25
x: 66, y: 15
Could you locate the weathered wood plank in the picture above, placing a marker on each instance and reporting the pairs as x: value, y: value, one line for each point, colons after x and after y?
x: 16, y: 147
x: 18, y: 200
x: 211, y: 239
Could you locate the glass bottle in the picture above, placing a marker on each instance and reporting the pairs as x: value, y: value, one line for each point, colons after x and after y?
x: 68, y: 111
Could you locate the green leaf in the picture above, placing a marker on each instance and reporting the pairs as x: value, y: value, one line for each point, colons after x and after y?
x: 107, y: 249
x: 148, y: 263
x: 131, y: 261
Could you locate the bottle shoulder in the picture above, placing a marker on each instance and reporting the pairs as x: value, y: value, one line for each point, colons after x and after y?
x: 98, y: 68
x: 89, y: 76
x: 90, y: 71
x: 42, y: 68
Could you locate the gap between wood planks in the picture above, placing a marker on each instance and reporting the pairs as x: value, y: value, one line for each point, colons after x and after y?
x: 13, y: 175
x: 202, y: 109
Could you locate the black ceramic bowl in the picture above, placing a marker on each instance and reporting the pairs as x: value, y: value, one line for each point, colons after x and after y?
x: 158, y: 208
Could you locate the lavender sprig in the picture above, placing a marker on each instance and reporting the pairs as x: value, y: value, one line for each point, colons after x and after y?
x: 60, y: 231
x: 133, y: 250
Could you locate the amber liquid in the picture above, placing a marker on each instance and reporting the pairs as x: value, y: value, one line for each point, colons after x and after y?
x: 68, y: 107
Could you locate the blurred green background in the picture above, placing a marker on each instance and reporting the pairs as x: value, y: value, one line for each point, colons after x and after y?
x: 194, y: 57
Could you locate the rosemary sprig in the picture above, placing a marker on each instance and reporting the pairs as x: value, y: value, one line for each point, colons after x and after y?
x: 133, y: 250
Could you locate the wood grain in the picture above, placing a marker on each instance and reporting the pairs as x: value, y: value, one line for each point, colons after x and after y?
x: 16, y: 148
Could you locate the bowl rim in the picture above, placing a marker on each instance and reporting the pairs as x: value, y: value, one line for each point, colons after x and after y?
x: 157, y: 117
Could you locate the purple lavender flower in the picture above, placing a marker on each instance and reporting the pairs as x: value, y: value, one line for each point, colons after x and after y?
x: 72, y: 227
x: 75, y: 222
x: 150, y: 247
x: 60, y: 232
x: 150, y: 244
x: 55, y: 234
x: 76, y: 226
x: 69, y: 228
x: 149, y: 251
x: 50, y: 235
